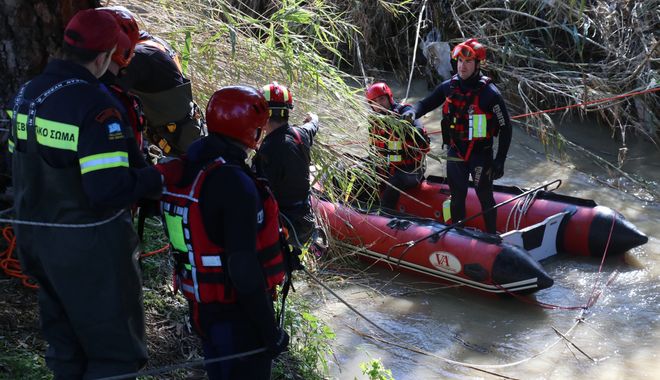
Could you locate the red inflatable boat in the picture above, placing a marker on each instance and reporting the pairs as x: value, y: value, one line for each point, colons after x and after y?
x: 585, y: 231
x: 466, y: 257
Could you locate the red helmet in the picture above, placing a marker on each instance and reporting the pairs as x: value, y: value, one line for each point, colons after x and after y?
x: 238, y: 112
x: 379, y: 89
x: 125, y: 20
x: 124, y: 51
x: 127, y: 24
x: 278, y: 97
x: 470, y: 49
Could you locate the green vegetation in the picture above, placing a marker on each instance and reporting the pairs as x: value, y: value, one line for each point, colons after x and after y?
x: 375, y: 370
x: 310, y: 344
x: 22, y: 363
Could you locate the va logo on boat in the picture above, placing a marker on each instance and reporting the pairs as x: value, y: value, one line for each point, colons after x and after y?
x: 445, y: 261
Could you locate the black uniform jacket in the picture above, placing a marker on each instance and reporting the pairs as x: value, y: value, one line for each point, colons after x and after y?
x: 284, y: 158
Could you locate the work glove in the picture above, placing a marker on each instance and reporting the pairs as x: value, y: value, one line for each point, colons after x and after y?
x: 279, y: 343
x: 171, y: 170
x: 314, y: 118
x: 498, y: 169
x: 149, y: 207
x: 294, y: 258
x: 409, y: 115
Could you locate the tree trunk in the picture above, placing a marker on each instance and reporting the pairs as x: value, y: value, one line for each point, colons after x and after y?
x: 31, y: 32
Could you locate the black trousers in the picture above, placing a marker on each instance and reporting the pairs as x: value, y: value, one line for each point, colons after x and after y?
x: 224, y: 338
x: 90, y: 297
x: 459, y: 171
x: 403, y: 178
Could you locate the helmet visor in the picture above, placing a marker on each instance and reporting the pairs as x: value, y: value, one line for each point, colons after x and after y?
x: 463, y: 51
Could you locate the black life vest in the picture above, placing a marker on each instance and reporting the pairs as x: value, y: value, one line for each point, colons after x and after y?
x: 200, y: 272
x: 462, y: 119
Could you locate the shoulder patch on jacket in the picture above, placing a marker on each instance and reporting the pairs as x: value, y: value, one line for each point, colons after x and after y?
x: 114, y: 131
x: 108, y: 113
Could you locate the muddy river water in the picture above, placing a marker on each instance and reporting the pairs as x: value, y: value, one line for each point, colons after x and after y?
x: 617, y: 338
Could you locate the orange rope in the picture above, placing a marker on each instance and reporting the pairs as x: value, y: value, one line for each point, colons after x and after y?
x: 596, y: 101
x: 160, y: 250
x: 9, y: 264
x: 12, y: 267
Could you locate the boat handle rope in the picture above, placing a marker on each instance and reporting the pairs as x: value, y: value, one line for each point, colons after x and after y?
x: 519, y: 210
x: 412, y: 243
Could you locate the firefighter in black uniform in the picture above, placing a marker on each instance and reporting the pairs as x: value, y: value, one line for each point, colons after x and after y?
x: 223, y: 226
x: 174, y: 120
x: 404, y: 148
x: 473, y: 113
x: 284, y: 158
x: 71, y: 167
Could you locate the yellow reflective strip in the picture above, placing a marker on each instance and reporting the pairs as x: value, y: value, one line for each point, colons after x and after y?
x: 394, y: 158
x: 446, y: 210
x: 174, y: 224
x: 10, y: 146
x: 394, y: 145
x: 479, y: 123
x: 21, y: 125
x: 57, y: 135
x: 103, y: 161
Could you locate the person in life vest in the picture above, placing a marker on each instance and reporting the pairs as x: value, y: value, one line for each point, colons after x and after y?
x: 284, y: 158
x: 129, y: 104
x: 223, y: 226
x: 403, y: 145
x: 71, y: 172
x: 473, y: 113
x: 155, y: 74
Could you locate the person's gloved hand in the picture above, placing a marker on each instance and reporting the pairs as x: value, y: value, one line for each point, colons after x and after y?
x: 498, y: 169
x: 294, y: 258
x: 170, y: 170
x: 314, y: 118
x: 409, y: 115
x: 149, y: 207
x: 279, y: 344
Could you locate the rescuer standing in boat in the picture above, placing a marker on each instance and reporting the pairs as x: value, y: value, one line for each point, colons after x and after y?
x: 473, y: 113
x: 403, y: 148
x: 223, y: 225
x: 70, y: 164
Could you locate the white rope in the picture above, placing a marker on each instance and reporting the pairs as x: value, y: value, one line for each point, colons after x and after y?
x: 412, y: 67
x: 59, y: 225
x: 519, y: 210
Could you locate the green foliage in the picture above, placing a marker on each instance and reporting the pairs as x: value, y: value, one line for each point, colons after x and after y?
x: 185, y: 53
x: 309, y: 347
x: 19, y: 363
x: 375, y: 370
